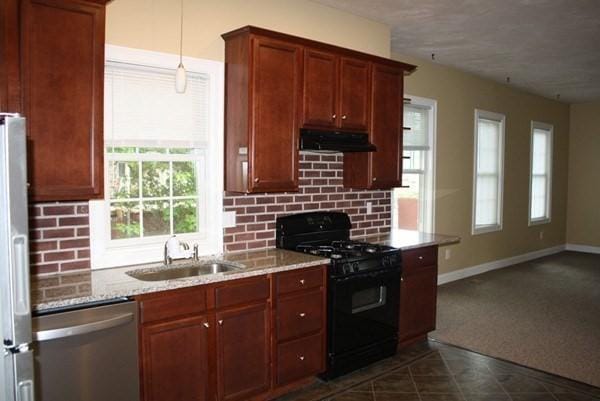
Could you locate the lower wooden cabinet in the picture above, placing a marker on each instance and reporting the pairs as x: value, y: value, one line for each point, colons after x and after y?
x: 221, y: 341
x: 243, y: 353
x: 174, y: 360
x: 418, y: 294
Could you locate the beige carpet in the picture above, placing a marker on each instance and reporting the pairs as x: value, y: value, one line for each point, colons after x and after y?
x: 543, y: 314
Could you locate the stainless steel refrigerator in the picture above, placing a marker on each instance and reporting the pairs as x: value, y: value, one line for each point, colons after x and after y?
x: 16, y: 369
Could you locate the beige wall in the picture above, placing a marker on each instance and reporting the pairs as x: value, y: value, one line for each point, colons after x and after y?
x: 458, y: 94
x: 154, y: 24
x: 584, y: 175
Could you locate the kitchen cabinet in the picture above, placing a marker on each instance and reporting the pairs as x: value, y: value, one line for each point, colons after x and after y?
x: 381, y: 169
x: 335, y: 91
x: 418, y: 294
x: 262, y: 89
x: 61, y: 84
x: 226, y: 341
x: 276, y: 84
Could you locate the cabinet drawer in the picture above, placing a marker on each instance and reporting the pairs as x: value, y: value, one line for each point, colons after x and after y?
x: 171, y: 304
x: 300, y: 358
x: 242, y: 291
x: 299, y: 315
x: 420, y: 257
x: 300, y: 279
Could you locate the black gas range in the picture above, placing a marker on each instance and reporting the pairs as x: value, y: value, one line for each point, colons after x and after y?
x: 363, y: 288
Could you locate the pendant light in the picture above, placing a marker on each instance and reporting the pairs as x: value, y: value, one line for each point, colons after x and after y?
x: 180, y: 74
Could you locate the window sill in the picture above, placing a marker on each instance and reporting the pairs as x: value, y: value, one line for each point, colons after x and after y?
x: 485, y: 229
x: 538, y: 222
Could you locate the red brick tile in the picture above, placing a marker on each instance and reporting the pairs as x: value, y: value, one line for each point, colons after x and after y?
x: 265, y: 200
x: 285, y: 199
x: 228, y: 239
x: 245, y: 201
x: 275, y: 208
x: 265, y: 217
x: 327, y: 205
x: 236, y: 229
x: 312, y: 190
x: 245, y: 219
x: 76, y: 265
x: 83, y: 254
x: 41, y: 246
x: 244, y: 237
x: 83, y: 209
x: 311, y: 206
x: 58, y: 210
x: 293, y: 208
x: 235, y: 247
x: 265, y: 235
x: 271, y: 243
x: 35, y: 211
x: 257, y: 244
x: 44, y: 269
x: 256, y: 227
x: 302, y: 198
x: 371, y: 231
x: 74, y: 221
x: 75, y: 243
x: 57, y: 256
x: 227, y: 202
x: 328, y: 158
x: 319, y: 166
x: 312, y: 158
x: 83, y: 232
x: 334, y: 197
x: 42, y: 223
x: 313, y: 173
x: 59, y: 233
x: 255, y: 209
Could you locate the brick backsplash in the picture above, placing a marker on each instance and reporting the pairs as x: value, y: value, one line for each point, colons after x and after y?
x: 59, y: 237
x: 321, y: 188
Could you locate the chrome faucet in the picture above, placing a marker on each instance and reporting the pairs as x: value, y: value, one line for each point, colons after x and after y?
x: 174, y: 249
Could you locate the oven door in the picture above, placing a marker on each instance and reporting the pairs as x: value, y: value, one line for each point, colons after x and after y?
x: 363, y: 310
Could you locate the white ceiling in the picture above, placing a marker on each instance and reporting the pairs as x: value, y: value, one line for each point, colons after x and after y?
x: 547, y: 47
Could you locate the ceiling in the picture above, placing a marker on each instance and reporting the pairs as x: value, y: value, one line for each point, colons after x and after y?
x: 547, y: 47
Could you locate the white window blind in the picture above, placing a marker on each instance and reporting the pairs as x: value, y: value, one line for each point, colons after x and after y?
x: 142, y: 107
x: 541, y: 162
x: 417, y: 118
x: 488, y: 174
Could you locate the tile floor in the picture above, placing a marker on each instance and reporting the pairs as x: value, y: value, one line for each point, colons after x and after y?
x: 433, y: 371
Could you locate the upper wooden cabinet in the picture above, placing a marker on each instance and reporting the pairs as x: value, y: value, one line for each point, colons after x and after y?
x: 381, y: 169
x: 263, y: 83
x: 276, y: 83
x: 335, y: 91
x: 62, y: 81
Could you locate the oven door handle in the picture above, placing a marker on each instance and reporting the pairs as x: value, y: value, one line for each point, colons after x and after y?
x: 379, y: 273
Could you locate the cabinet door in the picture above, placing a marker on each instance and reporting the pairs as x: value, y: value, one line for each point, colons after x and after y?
x: 354, y: 94
x: 418, y: 295
x: 320, y: 94
x: 62, y: 69
x: 386, y: 126
x: 174, y: 360
x: 243, y: 349
x: 276, y: 80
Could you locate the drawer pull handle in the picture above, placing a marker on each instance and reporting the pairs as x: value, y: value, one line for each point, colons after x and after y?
x: 301, y: 357
x: 302, y: 282
x: 420, y: 257
x: 220, y: 323
x: 206, y: 325
x: 401, y: 278
x: 344, y: 117
x: 302, y: 314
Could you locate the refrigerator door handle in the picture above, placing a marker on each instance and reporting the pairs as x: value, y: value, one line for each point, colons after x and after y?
x: 22, y: 304
x: 24, y: 376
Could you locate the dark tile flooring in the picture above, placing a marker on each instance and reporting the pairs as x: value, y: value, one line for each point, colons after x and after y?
x: 432, y: 371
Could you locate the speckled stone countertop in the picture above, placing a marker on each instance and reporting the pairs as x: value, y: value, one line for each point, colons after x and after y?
x: 408, y: 239
x: 71, y: 289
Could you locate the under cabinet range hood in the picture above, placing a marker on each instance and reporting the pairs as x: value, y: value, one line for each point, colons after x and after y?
x: 335, y: 141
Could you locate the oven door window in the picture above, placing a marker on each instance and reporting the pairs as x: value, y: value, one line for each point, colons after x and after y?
x: 369, y: 298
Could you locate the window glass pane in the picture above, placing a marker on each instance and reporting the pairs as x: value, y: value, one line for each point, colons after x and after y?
x: 155, y: 179
x: 487, y: 146
x: 415, y: 161
x: 153, y: 150
x: 408, y: 202
x: 157, y: 218
x: 124, y: 220
x: 184, y: 178
x: 185, y: 216
x: 538, y: 196
x: 417, y: 118
x: 123, y: 179
x: 181, y: 151
x: 486, y: 206
x: 540, y: 149
x: 122, y: 149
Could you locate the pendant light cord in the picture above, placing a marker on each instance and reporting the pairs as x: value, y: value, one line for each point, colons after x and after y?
x: 181, y: 36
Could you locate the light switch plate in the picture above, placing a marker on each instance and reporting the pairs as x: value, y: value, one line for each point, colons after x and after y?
x: 229, y: 219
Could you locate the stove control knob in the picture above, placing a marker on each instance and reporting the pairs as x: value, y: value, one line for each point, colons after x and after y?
x: 355, y: 266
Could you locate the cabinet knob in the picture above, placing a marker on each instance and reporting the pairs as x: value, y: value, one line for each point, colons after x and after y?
x: 302, y: 314
x: 301, y: 357
x: 334, y: 116
x: 206, y: 325
x: 344, y: 117
x: 302, y: 282
x: 220, y: 322
x: 374, y: 179
x: 401, y: 278
x: 420, y: 257
x: 256, y: 179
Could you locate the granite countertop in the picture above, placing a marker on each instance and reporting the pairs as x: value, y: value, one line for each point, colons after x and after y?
x: 71, y: 289
x: 409, y: 239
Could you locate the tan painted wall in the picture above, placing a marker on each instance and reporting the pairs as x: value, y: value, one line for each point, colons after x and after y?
x: 154, y: 24
x: 584, y: 175
x: 458, y: 94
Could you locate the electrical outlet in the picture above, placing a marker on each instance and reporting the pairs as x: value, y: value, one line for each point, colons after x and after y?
x: 541, y: 234
x: 447, y: 253
x: 229, y: 219
x: 369, y: 207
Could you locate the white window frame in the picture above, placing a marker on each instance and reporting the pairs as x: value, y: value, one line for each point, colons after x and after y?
x: 108, y: 253
x: 501, y: 118
x: 428, y: 208
x: 550, y: 128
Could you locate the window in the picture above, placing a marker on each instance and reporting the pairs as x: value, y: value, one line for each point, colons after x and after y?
x: 163, y: 158
x: 488, y: 172
x: 413, y: 206
x: 540, y: 182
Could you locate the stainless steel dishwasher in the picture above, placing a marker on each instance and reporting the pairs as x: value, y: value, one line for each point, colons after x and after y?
x: 88, y: 354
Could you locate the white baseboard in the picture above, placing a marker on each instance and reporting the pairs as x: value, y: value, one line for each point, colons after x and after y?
x: 583, y: 248
x: 498, y: 264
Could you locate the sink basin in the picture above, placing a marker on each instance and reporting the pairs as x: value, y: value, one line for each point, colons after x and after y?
x: 173, y: 273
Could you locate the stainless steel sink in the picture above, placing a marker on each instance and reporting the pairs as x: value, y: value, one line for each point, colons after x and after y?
x: 173, y: 273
